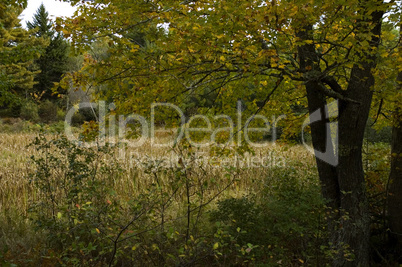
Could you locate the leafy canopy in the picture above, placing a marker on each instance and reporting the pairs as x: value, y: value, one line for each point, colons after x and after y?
x: 213, y: 53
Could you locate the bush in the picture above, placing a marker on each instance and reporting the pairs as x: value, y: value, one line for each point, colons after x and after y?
x: 375, y: 134
x: 65, y: 172
x: 78, y: 119
x: 283, y: 223
x: 30, y: 111
x: 47, y: 111
x: 384, y: 135
x: 6, y: 112
x: 16, y: 125
x: 61, y: 115
x: 83, y: 115
x: 15, y: 109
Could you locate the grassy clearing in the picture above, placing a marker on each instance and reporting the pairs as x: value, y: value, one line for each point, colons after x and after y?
x: 15, y: 164
x: 152, y: 173
x: 261, y: 207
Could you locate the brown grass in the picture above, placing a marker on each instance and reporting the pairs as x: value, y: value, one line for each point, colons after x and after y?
x: 16, y: 192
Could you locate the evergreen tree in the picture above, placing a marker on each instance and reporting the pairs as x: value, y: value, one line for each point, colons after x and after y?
x: 18, y: 50
x: 42, y: 22
x: 53, y: 62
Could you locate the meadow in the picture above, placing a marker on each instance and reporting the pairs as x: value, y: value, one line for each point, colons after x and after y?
x: 62, y: 204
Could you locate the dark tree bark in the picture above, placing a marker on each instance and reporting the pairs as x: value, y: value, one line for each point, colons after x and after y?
x: 317, y: 101
x: 343, y: 184
x: 395, y: 187
x: 395, y: 176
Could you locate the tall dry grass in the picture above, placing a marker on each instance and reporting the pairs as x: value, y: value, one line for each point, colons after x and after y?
x: 15, y: 164
x: 141, y: 167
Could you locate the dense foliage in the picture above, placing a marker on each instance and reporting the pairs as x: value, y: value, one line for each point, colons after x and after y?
x: 334, y: 66
x: 17, y: 51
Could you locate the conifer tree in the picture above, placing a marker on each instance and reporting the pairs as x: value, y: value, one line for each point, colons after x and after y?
x: 18, y: 50
x: 53, y: 62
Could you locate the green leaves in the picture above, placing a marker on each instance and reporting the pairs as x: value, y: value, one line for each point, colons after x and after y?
x: 17, y: 52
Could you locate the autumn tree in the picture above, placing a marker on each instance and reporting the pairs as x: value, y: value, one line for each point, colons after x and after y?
x: 325, y: 51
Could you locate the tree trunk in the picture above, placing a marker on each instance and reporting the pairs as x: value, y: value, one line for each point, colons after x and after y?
x: 395, y: 189
x: 395, y: 176
x: 317, y: 101
x: 353, y: 232
x: 343, y: 185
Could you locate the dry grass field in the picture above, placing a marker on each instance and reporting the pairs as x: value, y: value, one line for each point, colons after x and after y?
x: 226, y: 175
x: 15, y: 164
x: 209, y: 193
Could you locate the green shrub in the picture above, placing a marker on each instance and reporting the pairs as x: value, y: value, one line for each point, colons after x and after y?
x: 78, y: 119
x: 47, y: 111
x: 74, y: 199
x: 16, y: 125
x: 57, y: 127
x: 61, y: 115
x: 383, y: 135
x: 15, y: 109
x: 6, y: 112
x: 283, y: 223
x: 30, y: 111
x: 374, y: 135
x: 83, y: 115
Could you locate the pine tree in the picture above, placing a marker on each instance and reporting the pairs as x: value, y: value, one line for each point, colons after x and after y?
x: 18, y: 50
x: 53, y: 62
x: 42, y: 22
